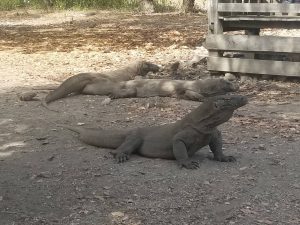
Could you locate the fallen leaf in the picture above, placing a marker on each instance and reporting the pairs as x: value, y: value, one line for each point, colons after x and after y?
x: 265, y: 222
x: 117, y: 214
x: 243, y: 168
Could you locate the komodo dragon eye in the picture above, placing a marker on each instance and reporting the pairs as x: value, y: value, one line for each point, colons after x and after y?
x: 218, y: 104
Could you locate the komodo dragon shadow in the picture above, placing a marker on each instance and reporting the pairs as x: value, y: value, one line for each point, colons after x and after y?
x: 179, y: 140
x: 99, y: 83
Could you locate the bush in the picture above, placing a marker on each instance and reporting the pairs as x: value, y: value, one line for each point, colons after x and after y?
x: 11, y: 4
x: 159, y: 5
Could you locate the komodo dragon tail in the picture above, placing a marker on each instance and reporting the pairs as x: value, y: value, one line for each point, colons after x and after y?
x: 80, y: 131
x: 77, y: 130
x: 44, y: 103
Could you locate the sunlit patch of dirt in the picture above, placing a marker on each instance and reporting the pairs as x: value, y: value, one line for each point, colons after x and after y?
x: 107, y: 33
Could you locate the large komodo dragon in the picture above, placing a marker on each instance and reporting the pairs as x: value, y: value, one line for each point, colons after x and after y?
x: 192, y: 90
x: 179, y: 140
x: 87, y: 83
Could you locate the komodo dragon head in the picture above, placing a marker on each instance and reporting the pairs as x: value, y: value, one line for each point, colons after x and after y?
x: 217, y: 86
x: 215, y: 111
x: 143, y: 67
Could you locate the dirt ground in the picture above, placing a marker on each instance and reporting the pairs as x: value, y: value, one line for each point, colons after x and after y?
x: 47, y: 176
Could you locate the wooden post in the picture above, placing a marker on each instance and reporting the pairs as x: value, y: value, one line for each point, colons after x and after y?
x: 255, y: 31
x: 214, y: 23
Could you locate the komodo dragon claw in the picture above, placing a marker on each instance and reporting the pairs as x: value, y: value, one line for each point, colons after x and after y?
x: 122, y: 157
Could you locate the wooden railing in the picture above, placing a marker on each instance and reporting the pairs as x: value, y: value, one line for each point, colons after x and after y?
x: 227, y: 15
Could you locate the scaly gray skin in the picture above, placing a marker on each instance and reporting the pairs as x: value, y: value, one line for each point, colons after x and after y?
x: 89, y: 83
x: 195, y: 90
x: 179, y: 140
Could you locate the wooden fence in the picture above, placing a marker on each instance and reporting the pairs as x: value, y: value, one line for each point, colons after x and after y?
x: 256, y: 54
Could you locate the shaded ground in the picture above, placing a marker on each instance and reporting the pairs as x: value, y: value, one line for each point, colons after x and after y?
x: 48, y: 177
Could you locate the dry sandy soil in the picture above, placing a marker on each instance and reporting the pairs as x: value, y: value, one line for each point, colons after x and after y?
x: 49, y: 177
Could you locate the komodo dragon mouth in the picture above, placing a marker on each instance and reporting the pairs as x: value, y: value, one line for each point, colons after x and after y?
x: 230, y: 101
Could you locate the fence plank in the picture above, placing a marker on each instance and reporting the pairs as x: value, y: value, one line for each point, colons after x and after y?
x: 253, y: 43
x: 261, y: 18
x: 283, y: 68
x: 259, y: 7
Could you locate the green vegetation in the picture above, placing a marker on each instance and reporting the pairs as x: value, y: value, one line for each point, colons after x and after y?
x: 96, y: 4
x: 163, y: 6
x: 11, y: 4
x: 68, y: 4
x: 159, y: 5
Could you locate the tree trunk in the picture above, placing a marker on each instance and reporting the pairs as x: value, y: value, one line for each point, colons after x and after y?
x: 146, y: 6
x: 188, y: 5
x: 48, y: 3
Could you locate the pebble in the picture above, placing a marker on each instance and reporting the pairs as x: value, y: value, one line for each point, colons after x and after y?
x: 117, y: 214
x: 246, y: 79
x: 261, y: 147
x: 106, y: 101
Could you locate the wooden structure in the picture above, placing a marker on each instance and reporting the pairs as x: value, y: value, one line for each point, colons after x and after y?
x: 252, y: 49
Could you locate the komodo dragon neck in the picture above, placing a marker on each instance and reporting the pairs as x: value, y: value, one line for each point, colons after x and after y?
x: 139, y: 68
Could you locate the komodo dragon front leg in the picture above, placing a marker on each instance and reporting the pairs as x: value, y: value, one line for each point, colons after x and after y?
x: 181, y: 155
x: 183, y: 146
x: 132, y: 142
x: 215, y: 145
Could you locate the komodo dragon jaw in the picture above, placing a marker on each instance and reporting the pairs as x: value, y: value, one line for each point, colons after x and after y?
x: 233, y: 102
x: 215, y: 87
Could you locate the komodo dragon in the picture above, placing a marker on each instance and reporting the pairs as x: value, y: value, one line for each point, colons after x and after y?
x: 86, y: 83
x: 192, y: 90
x: 179, y: 140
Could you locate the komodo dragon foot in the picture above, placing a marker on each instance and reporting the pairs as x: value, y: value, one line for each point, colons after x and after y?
x: 189, y: 164
x: 122, y: 157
